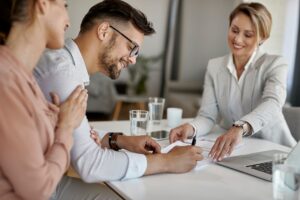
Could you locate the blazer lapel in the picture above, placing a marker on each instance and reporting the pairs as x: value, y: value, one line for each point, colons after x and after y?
x: 250, y: 82
x: 223, y: 85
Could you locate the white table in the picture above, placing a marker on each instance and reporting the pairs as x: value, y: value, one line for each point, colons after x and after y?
x: 210, y: 182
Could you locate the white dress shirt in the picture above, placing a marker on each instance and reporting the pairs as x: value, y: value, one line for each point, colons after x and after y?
x: 61, y: 71
x: 236, y: 89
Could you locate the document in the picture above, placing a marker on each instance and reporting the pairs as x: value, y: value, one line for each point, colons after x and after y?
x: 205, y: 143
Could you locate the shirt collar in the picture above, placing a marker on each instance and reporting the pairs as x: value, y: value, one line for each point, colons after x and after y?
x: 77, y: 59
x: 231, y: 66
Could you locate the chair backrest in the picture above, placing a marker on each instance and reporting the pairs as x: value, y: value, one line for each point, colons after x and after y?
x: 292, y: 117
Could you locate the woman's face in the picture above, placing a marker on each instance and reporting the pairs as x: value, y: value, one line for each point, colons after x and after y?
x: 242, y: 37
x: 57, y: 23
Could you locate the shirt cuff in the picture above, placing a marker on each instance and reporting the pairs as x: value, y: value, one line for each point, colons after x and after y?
x: 195, y: 129
x: 137, y: 165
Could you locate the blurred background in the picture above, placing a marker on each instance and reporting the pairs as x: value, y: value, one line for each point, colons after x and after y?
x: 173, y: 61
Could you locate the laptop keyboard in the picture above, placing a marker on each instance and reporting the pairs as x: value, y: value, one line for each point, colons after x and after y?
x: 265, y: 167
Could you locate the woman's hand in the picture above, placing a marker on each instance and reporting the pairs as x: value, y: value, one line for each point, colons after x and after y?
x: 225, y: 143
x: 71, y: 111
x: 182, y: 133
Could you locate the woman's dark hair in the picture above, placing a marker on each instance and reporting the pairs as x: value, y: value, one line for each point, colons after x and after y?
x: 116, y: 10
x: 13, y: 11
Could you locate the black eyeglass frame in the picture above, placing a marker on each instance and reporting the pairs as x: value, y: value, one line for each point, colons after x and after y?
x: 135, y: 50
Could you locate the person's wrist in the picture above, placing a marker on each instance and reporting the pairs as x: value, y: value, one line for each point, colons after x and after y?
x: 239, y: 130
x: 168, y: 163
x: 158, y: 163
x: 64, y: 126
x: 245, y: 127
x: 112, y: 140
x: 121, y: 141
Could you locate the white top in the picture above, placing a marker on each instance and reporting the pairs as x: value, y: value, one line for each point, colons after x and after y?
x: 61, y: 71
x: 236, y: 85
x: 212, y: 182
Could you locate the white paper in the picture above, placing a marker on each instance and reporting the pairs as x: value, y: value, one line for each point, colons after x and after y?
x: 205, y: 143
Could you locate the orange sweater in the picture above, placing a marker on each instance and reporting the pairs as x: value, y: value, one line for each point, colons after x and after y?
x: 33, y: 155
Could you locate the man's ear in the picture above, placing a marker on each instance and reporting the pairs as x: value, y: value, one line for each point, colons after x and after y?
x: 102, y: 30
x: 42, y: 6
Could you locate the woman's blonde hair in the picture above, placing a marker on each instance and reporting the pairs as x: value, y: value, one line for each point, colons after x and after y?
x: 259, y: 16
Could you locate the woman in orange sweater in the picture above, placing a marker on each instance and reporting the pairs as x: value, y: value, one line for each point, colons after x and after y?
x: 36, y: 136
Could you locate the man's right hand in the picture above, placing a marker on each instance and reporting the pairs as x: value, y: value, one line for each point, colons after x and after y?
x: 182, y: 133
x: 183, y: 159
x: 179, y: 160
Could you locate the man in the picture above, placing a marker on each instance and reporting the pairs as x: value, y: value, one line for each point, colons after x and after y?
x: 111, y: 34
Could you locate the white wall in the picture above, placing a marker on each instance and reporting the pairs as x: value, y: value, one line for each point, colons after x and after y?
x: 283, y: 39
x: 204, y: 33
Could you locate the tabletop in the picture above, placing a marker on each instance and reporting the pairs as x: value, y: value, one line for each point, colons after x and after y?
x: 208, y: 182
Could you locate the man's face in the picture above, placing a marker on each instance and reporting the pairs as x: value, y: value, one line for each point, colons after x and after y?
x: 117, y: 53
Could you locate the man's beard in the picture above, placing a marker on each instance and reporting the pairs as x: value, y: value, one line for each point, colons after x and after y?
x: 110, y: 64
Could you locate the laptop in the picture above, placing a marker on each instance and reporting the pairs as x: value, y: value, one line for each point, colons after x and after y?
x: 260, y: 164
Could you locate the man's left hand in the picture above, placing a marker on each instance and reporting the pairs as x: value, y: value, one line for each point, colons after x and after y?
x: 138, y: 144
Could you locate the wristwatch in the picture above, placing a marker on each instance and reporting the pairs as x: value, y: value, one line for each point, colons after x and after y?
x: 112, y: 140
x: 243, y: 125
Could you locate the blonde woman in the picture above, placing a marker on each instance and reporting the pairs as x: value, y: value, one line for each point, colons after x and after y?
x: 245, y: 89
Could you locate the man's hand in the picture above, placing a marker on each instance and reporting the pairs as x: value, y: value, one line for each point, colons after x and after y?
x: 183, y: 159
x: 138, y: 144
x: 225, y: 143
x: 181, y: 133
x: 180, y: 159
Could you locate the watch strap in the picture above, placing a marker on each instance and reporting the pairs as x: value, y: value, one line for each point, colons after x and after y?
x: 242, y: 125
x: 112, y: 140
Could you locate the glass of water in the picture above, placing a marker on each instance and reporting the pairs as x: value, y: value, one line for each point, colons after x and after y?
x: 138, y: 122
x: 286, y: 179
x: 156, y: 109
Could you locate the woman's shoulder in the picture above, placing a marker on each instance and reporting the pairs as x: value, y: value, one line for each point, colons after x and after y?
x: 218, y: 63
x: 269, y: 60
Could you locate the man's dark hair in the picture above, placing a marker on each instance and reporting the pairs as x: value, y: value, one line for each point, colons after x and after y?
x: 116, y: 10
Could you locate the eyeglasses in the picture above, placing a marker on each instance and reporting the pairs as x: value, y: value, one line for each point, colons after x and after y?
x: 135, y: 50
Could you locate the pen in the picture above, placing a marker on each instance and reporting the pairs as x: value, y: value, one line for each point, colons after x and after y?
x: 194, y: 141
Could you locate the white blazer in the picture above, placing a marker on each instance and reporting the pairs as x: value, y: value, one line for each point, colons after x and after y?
x: 262, y: 98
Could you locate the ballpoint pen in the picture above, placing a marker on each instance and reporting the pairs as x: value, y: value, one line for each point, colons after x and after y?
x: 194, y: 141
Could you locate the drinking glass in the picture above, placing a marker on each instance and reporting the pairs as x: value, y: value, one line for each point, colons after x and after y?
x: 156, y: 109
x: 138, y: 122
x: 286, y: 179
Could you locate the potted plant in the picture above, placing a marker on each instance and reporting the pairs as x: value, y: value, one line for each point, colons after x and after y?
x: 138, y: 75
